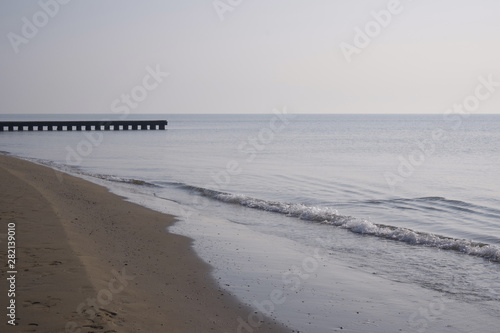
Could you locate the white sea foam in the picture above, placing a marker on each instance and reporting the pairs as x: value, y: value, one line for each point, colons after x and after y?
x: 331, y: 216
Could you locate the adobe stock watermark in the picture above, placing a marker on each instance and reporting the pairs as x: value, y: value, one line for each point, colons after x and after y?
x: 292, y: 280
x: 249, y: 149
x: 372, y: 29
x: 104, y: 297
x: 419, y: 321
x: 122, y: 105
x: 454, y: 116
x: 31, y: 27
x: 222, y: 7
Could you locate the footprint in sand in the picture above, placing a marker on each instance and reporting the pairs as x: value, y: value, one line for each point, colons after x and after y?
x: 46, y: 304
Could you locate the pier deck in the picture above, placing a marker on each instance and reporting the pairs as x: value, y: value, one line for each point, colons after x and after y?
x: 109, y: 125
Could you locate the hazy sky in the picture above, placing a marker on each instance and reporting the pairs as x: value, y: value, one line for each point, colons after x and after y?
x: 247, y: 56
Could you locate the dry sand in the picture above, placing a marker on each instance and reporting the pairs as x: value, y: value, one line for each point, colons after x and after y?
x: 88, y: 261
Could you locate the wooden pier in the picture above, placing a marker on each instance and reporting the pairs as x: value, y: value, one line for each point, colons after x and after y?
x: 109, y: 125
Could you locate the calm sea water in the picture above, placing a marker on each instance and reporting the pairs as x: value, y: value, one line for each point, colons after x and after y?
x: 414, y: 198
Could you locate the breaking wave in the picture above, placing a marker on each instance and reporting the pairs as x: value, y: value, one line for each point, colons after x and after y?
x: 328, y: 215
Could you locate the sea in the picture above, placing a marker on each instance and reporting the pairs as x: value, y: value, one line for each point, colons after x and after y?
x: 321, y: 222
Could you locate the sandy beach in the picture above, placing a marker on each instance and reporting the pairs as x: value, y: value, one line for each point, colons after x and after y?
x: 88, y: 261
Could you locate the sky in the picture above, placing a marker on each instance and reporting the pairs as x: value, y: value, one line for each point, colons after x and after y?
x: 249, y: 56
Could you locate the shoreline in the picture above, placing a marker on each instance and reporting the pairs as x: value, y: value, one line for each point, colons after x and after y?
x: 89, y: 261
